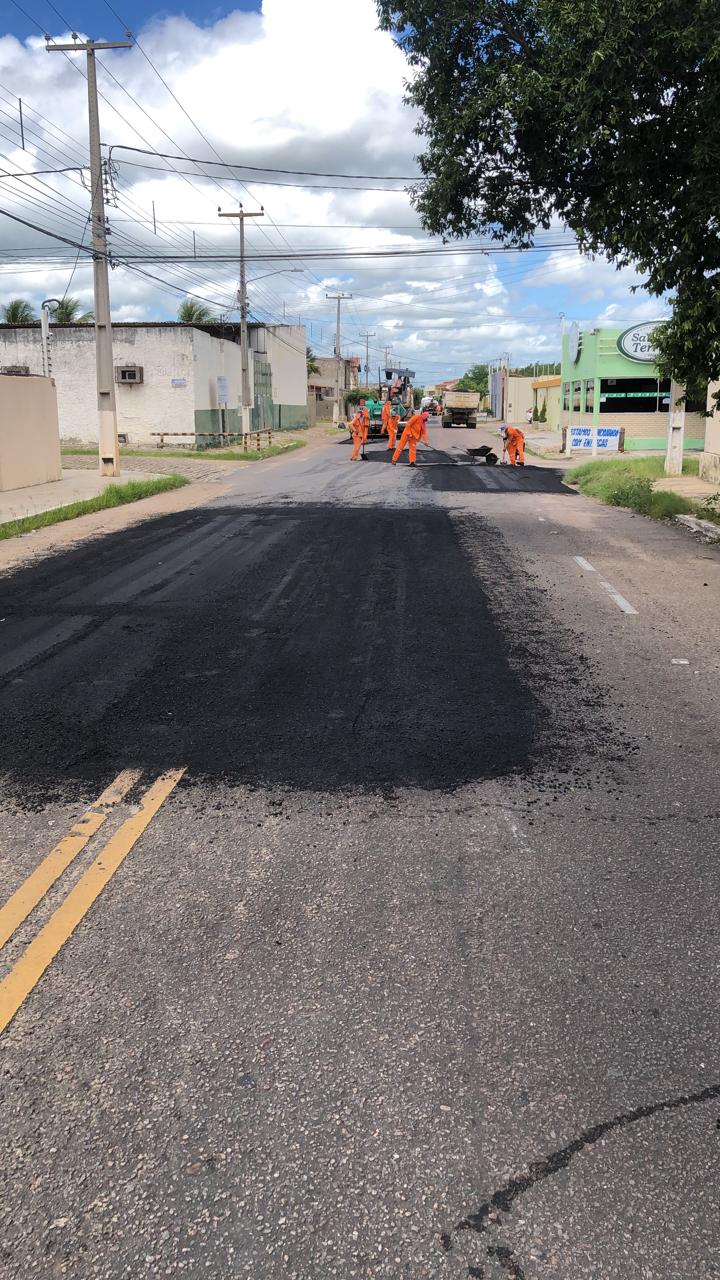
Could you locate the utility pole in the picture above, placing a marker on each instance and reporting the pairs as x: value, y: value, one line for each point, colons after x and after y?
x: 676, y: 430
x: 367, y: 337
x: 107, y: 412
x: 246, y: 401
x: 337, y: 297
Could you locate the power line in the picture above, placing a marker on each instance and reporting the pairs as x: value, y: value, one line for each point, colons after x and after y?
x: 264, y: 168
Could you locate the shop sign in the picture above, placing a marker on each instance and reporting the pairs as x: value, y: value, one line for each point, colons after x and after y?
x: 636, y: 343
x: 606, y: 438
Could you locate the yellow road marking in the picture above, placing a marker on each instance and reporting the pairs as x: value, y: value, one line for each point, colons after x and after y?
x: 33, y: 890
x: 40, y: 953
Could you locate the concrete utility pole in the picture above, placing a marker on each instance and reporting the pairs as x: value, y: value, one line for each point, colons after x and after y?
x: 676, y: 431
x: 245, y: 401
x: 107, y: 413
x: 367, y: 337
x: 337, y: 297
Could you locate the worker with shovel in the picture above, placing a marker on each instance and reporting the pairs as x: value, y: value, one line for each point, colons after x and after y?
x: 514, y: 441
x: 359, y: 427
x: 391, y: 414
x: 415, y: 429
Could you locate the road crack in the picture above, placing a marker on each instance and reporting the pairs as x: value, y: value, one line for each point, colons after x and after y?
x: 503, y: 1199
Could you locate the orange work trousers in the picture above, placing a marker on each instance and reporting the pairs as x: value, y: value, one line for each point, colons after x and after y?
x: 407, y: 438
x: 392, y: 434
x: 516, y: 453
x: 359, y: 438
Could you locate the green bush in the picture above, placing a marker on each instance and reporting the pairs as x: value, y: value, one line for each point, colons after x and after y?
x: 542, y: 417
x: 635, y: 492
x: 536, y: 415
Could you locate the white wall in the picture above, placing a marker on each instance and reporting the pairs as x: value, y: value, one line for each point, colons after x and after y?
x: 165, y: 355
x: 211, y: 357
x: 285, y: 346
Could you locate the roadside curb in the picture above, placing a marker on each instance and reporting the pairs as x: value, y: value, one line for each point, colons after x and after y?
x: 710, y: 532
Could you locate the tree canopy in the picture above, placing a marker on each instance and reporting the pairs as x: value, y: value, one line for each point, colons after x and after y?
x: 69, y: 311
x: 603, y: 117
x: 312, y: 364
x: 192, y: 312
x: 18, y: 311
x: 476, y: 379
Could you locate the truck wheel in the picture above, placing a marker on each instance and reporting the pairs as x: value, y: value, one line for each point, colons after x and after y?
x: 472, y: 424
x: 447, y: 422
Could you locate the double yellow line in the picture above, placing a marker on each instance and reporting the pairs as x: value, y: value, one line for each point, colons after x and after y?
x: 40, y: 953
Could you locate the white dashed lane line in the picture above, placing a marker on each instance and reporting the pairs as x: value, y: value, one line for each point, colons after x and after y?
x: 612, y: 591
x: 620, y: 601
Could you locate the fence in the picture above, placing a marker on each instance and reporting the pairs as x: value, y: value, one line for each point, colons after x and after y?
x: 244, y: 436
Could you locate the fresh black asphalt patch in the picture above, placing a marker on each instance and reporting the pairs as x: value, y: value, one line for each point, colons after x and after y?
x: 309, y: 647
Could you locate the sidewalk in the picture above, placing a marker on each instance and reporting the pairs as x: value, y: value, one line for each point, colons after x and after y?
x: 77, y: 485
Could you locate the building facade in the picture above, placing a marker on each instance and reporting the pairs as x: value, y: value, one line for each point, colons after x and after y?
x: 321, y: 385
x: 546, y: 401
x: 609, y: 379
x: 169, y: 377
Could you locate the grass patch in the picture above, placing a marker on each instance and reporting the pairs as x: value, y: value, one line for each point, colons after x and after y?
x: 628, y: 482
x: 115, y: 495
x: 206, y: 455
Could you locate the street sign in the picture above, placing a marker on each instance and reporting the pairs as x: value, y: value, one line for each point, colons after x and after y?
x: 607, y: 438
x: 222, y: 388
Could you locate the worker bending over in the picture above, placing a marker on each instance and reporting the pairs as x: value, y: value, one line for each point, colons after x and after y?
x: 359, y: 427
x: 391, y: 414
x: 515, y: 445
x: 415, y: 429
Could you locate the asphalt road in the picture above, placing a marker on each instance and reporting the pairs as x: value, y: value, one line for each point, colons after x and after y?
x: 414, y: 970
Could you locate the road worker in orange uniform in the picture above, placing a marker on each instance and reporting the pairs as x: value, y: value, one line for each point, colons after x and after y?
x: 515, y: 445
x: 415, y: 429
x: 359, y: 427
x: 391, y: 413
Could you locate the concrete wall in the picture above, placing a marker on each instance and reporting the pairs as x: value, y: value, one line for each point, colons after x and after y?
x: 213, y: 357
x: 29, y: 435
x: 285, y: 347
x: 180, y: 368
x: 519, y: 398
x: 164, y: 399
x: 710, y: 458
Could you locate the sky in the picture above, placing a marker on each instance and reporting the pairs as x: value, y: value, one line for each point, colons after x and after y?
x: 296, y: 86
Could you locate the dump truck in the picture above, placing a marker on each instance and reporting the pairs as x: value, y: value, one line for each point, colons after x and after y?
x: 460, y: 408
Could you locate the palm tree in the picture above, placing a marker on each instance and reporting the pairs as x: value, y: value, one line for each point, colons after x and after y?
x: 18, y: 311
x: 312, y: 364
x: 192, y: 312
x: 66, y: 312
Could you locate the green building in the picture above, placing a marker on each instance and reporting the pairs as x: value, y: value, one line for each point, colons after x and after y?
x: 610, y: 380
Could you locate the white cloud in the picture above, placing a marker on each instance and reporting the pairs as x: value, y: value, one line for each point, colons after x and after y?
x: 313, y: 85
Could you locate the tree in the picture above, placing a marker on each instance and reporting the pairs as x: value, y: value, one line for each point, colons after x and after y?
x: 18, y: 311
x: 192, y: 312
x: 539, y: 112
x: 68, y: 311
x: 312, y: 364
x: 476, y: 379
